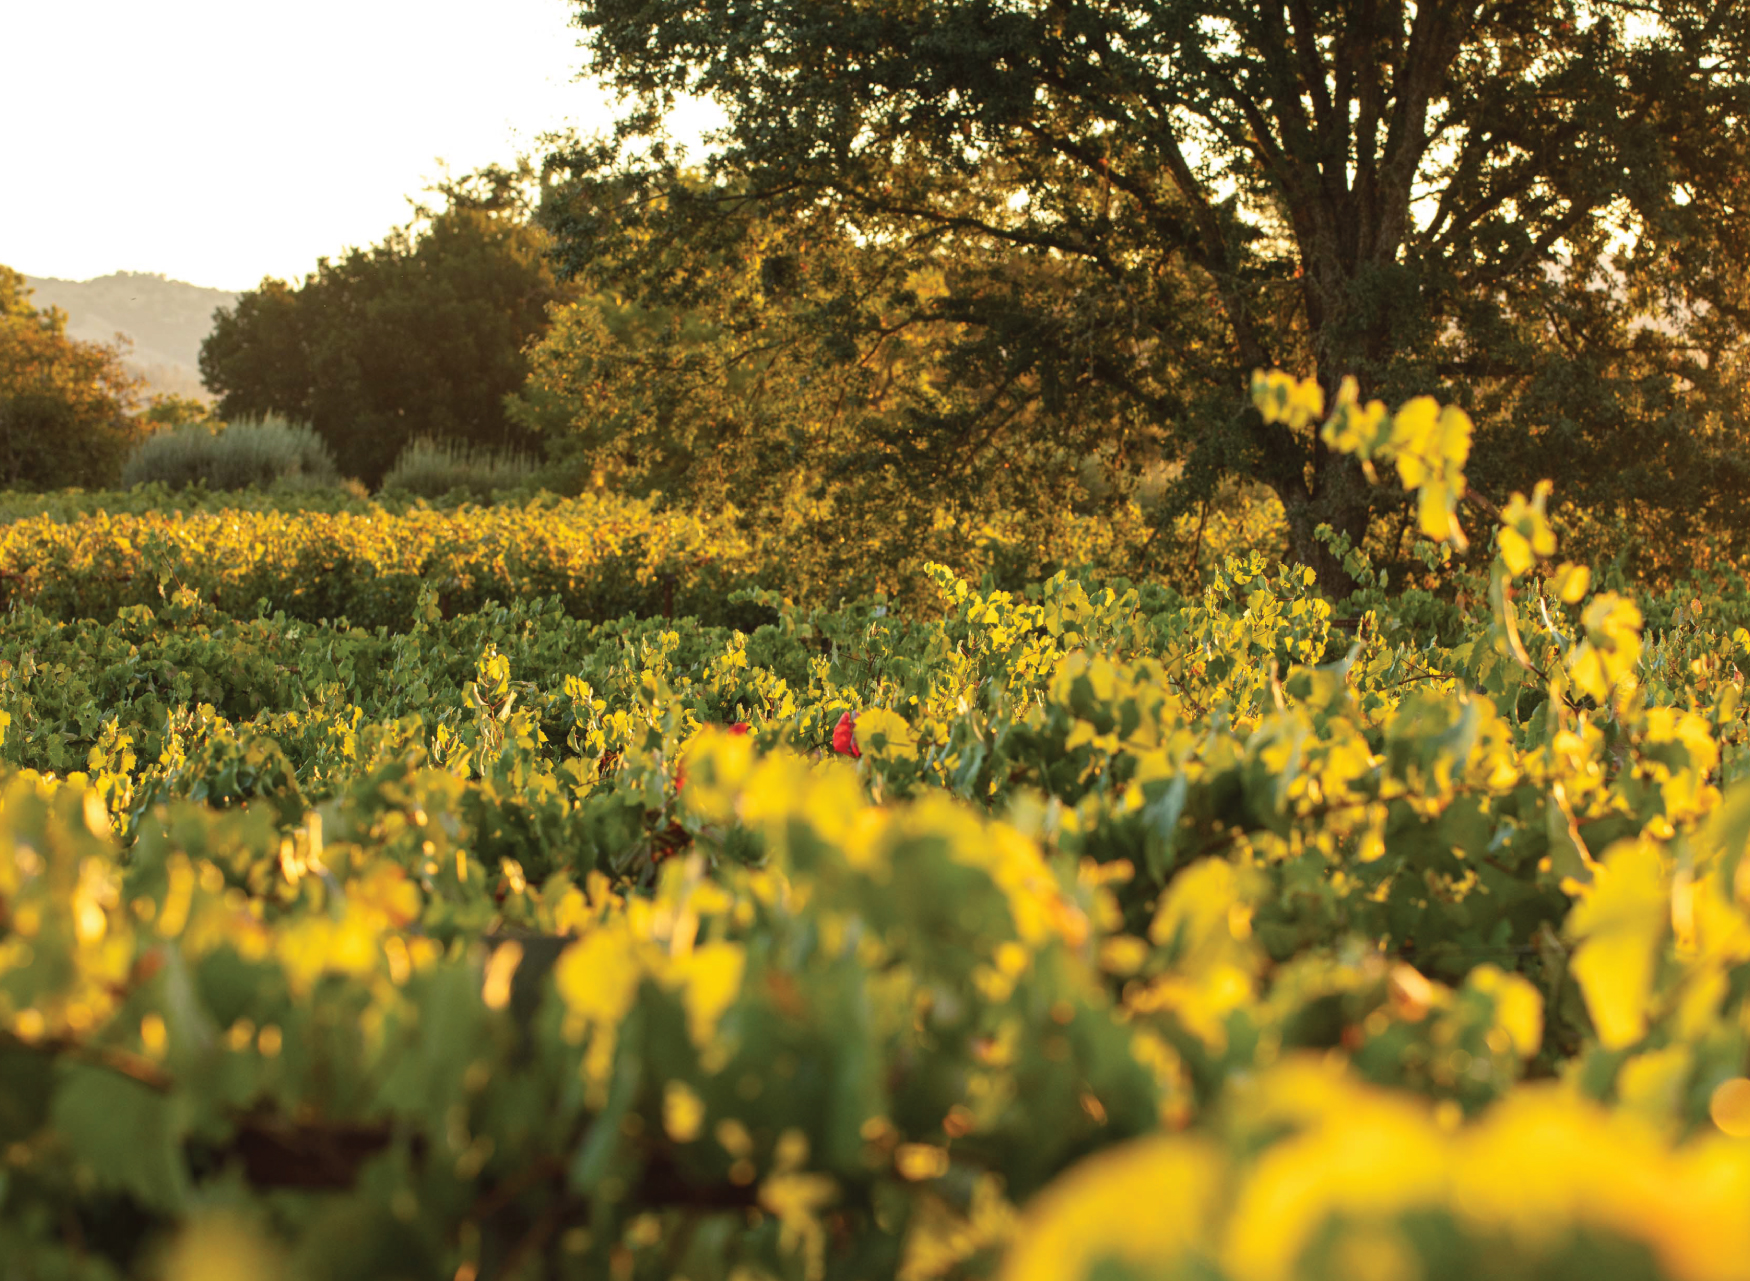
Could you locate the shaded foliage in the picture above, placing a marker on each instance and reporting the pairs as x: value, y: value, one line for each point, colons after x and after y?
x: 1532, y: 208
x: 790, y: 362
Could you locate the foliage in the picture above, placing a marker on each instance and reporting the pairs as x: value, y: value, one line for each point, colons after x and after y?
x: 64, y: 404
x: 176, y: 411
x: 239, y: 455
x: 420, y: 335
x: 1530, y: 208
x: 368, y: 564
x: 1092, y: 931
x: 433, y: 469
x: 326, y: 554
x: 71, y: 505
x: 709, y: 358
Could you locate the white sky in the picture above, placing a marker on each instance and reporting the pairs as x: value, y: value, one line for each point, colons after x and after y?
x: 220, y: 141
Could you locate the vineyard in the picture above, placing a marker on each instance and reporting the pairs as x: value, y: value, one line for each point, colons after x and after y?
x: 330, y: 557
x: 499, y: 893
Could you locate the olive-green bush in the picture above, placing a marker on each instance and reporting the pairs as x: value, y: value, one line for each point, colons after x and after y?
x: 261, y: 452
x: 430, y: 468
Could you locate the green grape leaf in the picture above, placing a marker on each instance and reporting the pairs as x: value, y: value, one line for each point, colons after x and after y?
x: 127, y: 1133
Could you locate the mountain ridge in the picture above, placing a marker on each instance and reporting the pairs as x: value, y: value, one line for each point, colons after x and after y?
x: 164, y: 319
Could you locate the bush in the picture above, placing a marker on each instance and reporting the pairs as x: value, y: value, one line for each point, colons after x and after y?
x: 269, y: 451
x: 430, y: 468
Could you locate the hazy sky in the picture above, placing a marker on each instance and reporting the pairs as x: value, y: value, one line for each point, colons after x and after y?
x: 218, y: 141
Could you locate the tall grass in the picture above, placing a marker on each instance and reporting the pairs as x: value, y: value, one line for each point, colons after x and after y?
x: 430, y: 468
x: 265, y: 452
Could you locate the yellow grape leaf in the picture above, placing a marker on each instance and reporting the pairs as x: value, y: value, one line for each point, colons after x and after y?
x: 1281, y: 398
x: 1355, y: 428
x: 1357, y: 1154
x: 1620, y: 923
x: 884, y: 734
x: 1088, y: 1216
x: 1431, y: 446
x: 1525, y: 532
x: 1515, y: 550
x: 1652, y: 1083
x: 1429, y: 440
x: 1196, y: 913
x: 1434, y: 513
x: 712, y: 977
x: 1572, y: 582
x: 598, y: 976
x: 1412, y: 427
x: 1612, y: 647
x: 1518, y: 1006
x: 683, y: 1112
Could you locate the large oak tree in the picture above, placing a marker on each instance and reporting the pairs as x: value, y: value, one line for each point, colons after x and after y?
x: 1534, y: 207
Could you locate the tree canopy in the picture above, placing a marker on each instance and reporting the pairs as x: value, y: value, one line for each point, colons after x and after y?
x: 421, y: 335
x: 721, y: 356
x: 1535, y: 209
x: 65, y: 405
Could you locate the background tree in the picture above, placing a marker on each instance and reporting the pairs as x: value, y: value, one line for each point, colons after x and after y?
x: 420, y: 335
x: 788, y: 365
x: 1482, y: 201
x: 65, y: 405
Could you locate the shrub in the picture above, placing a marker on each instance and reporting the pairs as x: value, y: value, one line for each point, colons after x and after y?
x: 268, y: 451
x: 430, y: 468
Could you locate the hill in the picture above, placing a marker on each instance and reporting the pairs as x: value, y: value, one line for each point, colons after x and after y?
x: 165, y: 319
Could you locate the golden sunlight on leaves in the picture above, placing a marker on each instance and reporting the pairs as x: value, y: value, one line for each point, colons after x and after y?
x: 1611, y: 649
x: 1571, y: 583
x: 1091, y: 1214
x: 884, y: 734
x: 1282, y: 398
x: 1526, y: 536
x: 1620, y: 922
